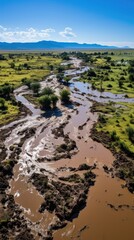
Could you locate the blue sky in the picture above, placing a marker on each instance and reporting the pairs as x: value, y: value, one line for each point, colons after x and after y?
x: 108, y: 22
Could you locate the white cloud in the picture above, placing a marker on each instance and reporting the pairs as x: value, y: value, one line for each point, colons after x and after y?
x: 27, y: 35
x: 2, y: 28
x: 67, y: 33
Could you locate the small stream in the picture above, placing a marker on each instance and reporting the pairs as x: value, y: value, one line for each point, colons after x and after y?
x: 97, y: 221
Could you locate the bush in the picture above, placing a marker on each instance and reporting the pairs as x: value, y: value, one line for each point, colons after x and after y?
x: 125, y: 148
x: 91, y: 73
x: 114, y: 136
x: 5, y: 91
x: 35, y: 87
x: 47, y: 91
x: 130, y: 132
x: 102, y: 118
x: 60, y: 77
x: 54, y: 100
x: 131, y: 77
x: 45, y: 102
x: 65, y: 95
x: 2, y: 103
x: 109, y: 86
x: 27, y: 82
x: 67, y: 80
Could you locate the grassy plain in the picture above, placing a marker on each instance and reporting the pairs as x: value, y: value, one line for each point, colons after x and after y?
x: 111, y: 67
x: 116, y: 119
x: 15, y: 67
x: 33, y: 66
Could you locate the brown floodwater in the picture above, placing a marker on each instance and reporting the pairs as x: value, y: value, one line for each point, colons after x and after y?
x: 109, y: 212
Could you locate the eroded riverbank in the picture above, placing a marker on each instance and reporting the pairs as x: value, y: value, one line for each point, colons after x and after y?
x: 51, y: 175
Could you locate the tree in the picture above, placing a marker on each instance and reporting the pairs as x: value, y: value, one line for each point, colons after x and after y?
x: 47, y: 91
x: 51, y: 67
x: 65, y: 95
x: 60, y: 69
x: 131, y: 77
x: 67, y: 79
x: 12, y: 64
x: 91, y: 73
x: 60, y: 76
x: 6, y: 90
x: 64, y: 56
x: 54, y: 99
x: 27, y: 82
x: 2, y: 103
x: 120, y: 83
x: 35, y: 87
x: 45, y: 102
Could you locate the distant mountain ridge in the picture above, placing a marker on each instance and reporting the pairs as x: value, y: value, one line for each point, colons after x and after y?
x: 51, y: 45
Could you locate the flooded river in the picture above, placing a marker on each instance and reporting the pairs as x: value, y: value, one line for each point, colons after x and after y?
x: 109, y: 212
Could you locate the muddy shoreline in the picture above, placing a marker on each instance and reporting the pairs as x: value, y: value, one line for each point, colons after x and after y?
x: 55, y: 159
x: 123, y: 163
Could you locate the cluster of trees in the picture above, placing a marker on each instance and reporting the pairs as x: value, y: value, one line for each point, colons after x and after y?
x: 65, y: 56
x: 2, y: 104
x: 49, y: 99
x: 131, y: 71
x: 33, y: 85
x: 5, y: 91
x: 5, y: 94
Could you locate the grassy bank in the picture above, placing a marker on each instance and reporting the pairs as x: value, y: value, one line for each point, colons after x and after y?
x: 117, y: 120
x: 18, y: 67
x: 111, y: 71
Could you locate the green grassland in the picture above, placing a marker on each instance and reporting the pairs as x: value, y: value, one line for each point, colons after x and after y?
x: 111, y: 68
x: 116, y: 120
x: 10, y: 112
x: 17, y: 66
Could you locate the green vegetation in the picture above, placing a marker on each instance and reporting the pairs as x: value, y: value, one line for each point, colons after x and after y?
x: 16, y: 67
x: 65, y: 95
x: 118, y: 122
x: 35, y: 86
x: 19, y: 68
x: 48, y: 99
x: 8, y: 113
x: 111, y: 71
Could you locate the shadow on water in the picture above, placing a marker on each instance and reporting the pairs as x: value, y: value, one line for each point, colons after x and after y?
x: 52, y: 112
x: 69, y: 105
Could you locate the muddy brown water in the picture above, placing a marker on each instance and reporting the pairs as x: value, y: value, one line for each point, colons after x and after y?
x: 109, y: 212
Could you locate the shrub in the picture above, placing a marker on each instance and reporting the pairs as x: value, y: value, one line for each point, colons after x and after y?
x: 27, y: 82
x: 60, y: 76
x: 65, y: 95
x: 45, y: 102
x: 47, y: 91
x: 109, y: 86
x: 130, y: 132
x: 54, y: 100
x: 102, y: 118
x: 6, y: 90
x: 114, y: 136
x: 35, y: 86
x: 67, y: 79
x: 2, y: 103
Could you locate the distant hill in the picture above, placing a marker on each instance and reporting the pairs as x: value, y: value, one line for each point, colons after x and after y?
x: 50, y: 45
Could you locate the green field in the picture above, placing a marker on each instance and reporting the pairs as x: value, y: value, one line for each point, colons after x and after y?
x: 33, y: 66
x: 117, y: 120
x: 15, y: 68
x: 111, y: 71
x: 10, y: 113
